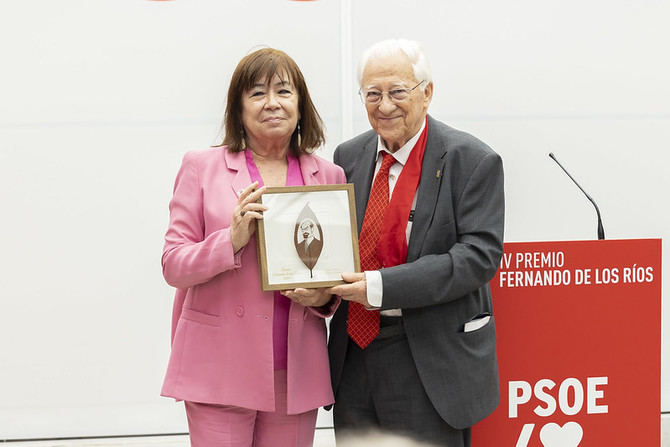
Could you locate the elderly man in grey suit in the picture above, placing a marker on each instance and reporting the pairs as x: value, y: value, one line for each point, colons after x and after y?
x: 413, y: 347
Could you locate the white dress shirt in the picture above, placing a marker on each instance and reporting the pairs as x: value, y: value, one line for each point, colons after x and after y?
x: 373, y: 278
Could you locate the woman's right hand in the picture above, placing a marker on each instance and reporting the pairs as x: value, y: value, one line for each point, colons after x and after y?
x: 245, y: 214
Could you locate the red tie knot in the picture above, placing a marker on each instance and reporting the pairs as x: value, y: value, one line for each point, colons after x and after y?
x: 388, y: 160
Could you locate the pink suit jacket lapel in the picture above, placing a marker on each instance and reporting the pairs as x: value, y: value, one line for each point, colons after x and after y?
x: 309, y: 170
x: 236, y: 161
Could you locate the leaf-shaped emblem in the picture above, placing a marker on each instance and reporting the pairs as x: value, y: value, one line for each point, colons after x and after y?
x: 308, y: 238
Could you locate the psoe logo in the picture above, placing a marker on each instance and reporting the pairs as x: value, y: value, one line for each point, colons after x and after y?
x: 552, y: 434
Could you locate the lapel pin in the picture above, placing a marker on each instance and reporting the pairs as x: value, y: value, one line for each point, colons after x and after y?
x: 438, y: 173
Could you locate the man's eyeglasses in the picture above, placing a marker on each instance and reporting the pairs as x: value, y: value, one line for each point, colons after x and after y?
x: 374, y: 96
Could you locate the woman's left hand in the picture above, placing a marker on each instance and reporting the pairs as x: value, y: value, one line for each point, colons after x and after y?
x: 309, y: 297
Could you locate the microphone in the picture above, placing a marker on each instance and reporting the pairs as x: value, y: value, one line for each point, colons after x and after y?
x: 601, y: 231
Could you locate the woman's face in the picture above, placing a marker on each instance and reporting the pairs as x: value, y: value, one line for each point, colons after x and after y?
x: 270, y: 112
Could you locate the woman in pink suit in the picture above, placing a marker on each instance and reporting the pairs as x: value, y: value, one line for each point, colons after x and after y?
x: 251, y: 366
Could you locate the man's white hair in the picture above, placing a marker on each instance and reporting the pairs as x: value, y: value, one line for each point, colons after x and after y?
x: 411, y: 48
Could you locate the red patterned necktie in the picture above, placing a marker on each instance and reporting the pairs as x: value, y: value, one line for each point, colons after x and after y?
x: 362, y: 324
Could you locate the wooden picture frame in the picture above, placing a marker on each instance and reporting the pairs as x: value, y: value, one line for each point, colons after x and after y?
x: 307, y: 237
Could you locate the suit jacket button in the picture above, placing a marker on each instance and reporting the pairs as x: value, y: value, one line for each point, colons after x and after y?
x: 239, y: 311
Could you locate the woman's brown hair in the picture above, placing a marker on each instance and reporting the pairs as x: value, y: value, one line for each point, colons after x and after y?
x: 265, y: 64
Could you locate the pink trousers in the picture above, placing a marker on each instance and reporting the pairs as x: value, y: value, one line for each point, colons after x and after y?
x: 228, y: 426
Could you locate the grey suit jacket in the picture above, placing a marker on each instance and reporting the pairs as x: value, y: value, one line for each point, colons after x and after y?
x: 454, y: 250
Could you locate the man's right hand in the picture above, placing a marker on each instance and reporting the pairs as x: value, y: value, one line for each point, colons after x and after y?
x: 355, y: 289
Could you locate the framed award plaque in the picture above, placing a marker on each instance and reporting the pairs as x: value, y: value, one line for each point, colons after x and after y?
x: 308, y: 236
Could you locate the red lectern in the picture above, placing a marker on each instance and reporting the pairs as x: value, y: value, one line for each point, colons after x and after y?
x: 579, y: 345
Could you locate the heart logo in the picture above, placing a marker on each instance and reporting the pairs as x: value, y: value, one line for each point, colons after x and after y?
x: 553, y: 435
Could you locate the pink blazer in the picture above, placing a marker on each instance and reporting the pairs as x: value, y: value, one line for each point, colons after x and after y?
x: 222, y: 321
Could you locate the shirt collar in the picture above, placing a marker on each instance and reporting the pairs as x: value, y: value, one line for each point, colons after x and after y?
x: 402, y: 154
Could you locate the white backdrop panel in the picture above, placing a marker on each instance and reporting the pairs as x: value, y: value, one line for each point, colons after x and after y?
x: 101, y: 100
x: 585, y: 80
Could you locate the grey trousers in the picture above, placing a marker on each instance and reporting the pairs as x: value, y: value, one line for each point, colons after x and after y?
x: 380, y: 390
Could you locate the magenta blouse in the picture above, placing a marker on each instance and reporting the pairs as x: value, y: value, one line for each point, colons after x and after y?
x: 282, y: 304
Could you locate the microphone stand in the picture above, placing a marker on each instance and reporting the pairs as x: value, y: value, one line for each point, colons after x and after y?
x: 601, y: 231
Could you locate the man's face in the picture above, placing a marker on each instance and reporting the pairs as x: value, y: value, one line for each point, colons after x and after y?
x: 395, y: 121
x: 306, y: 229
